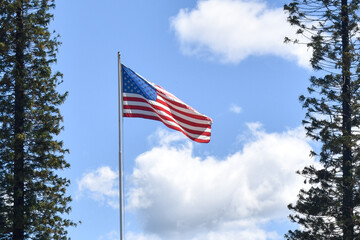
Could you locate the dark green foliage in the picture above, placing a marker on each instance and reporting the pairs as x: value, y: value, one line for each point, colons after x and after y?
x: 32, y: 194
x: 329, y: 209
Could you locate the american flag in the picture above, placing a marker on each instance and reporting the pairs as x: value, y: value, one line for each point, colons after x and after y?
x: 143, y: 99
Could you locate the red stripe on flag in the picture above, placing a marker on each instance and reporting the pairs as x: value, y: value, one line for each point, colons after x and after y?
x: 135, y: 115
x: 151, y: 109
x: 147, y: 109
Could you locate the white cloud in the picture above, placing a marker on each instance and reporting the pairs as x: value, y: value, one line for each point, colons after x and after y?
x: 113, y: 235
x: 101, y: 185
x: 134, y: 236
x: 251, y: 234
x: 182, y: 196
x: 232, y: 30
x: 235, y: 108
x: 163, y: 137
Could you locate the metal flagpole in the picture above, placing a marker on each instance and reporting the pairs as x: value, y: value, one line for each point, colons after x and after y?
x: 120, y: 105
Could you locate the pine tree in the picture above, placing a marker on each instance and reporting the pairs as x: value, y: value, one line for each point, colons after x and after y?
x: 33, y: 200
x: 329, y: 208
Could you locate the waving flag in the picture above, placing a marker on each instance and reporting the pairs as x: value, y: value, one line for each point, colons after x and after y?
x: 143, y: 99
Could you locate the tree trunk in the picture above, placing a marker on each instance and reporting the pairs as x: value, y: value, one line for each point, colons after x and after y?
x: 347, y: 205
x: 19, y: 75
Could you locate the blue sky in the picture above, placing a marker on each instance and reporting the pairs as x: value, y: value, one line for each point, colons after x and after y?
x: 224, y: 58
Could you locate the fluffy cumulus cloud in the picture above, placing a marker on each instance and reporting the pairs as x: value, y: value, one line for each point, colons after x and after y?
x: 182, y: 196
x: 232, y: 30
x: 100, y: 185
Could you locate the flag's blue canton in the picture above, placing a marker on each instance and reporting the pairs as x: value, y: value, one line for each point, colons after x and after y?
x: 133, y: 83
